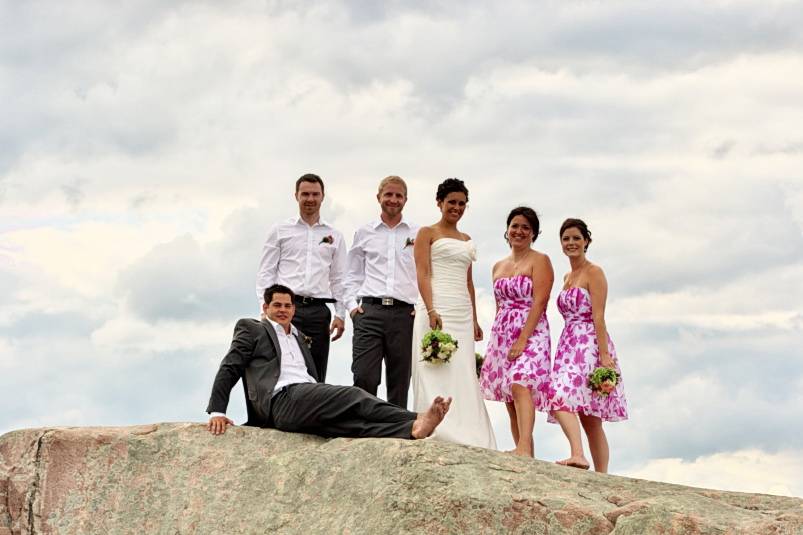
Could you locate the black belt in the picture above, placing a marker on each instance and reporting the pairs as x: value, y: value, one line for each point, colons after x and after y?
x: 304, y: 300
x: 385, y: 301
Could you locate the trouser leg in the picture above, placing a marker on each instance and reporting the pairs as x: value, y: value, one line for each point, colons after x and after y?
x: 333, y: 410
x: 398, y: 348
x: 313, y: 320
x: 366, y: 350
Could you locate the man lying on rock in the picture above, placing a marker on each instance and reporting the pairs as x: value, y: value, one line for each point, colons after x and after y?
x: 274, y: 362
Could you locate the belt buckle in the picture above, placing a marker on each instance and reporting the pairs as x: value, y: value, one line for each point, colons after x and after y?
x: 387, y: 301
x: 306, y: 300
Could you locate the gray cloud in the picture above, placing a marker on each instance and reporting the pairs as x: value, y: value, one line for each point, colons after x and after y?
x: 183, y: 280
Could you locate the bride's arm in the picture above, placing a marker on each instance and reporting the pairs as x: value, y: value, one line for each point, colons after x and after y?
x: 423, y: 272
x: 470, y: 284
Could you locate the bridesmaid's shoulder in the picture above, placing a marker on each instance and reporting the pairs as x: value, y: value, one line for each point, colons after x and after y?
x: 595, y: 271
x: 540, y: 259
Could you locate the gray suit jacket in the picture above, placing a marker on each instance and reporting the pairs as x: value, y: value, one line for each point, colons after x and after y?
x: 255, y: 357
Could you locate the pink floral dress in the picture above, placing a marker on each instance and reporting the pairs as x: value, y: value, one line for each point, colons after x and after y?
x: 576, y: 357
x: 514, y: 297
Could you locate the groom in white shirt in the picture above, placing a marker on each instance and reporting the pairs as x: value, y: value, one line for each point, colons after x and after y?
x: 308, y: 255
x: 381, y: 290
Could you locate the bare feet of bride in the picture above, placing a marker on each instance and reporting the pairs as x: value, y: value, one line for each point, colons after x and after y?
x: 427, y: 421
x: 575, y: 462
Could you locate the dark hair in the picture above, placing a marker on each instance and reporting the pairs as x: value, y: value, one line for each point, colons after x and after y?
x: 529, y: 214
x: 580, y: 225
x: 309, y: 177
x: 451, y: 185
x: 274, y: 289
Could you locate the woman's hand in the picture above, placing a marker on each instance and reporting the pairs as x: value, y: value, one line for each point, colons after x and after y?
x: 516, y: 349
x: 435, y: 321
x: 477, y: 332
x: 606, y: 361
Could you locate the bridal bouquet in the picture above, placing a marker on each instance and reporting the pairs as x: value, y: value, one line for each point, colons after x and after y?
x: 437, y: 347
x: 603, y: 381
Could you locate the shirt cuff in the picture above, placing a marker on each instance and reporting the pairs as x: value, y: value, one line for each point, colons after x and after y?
x: 213, y: 414
x: 351, y: 304
x: 340, y: 310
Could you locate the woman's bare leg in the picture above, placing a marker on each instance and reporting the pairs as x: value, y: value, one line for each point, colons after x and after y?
x: 571, y: 428
x: 597, y: 442
x: 514, y: 425
x: 525, y: 420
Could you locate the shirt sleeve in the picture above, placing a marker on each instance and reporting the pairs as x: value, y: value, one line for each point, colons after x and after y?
x: 337, y: 276
x: 268, y: 271
x: 355, y: 274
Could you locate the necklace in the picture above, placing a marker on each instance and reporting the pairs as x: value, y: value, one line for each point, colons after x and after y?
x: 517, y: 263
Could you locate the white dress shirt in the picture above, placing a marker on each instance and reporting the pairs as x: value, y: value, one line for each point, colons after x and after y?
x: 293, y: 367
x: 381, y: 263
x: 308, y: 259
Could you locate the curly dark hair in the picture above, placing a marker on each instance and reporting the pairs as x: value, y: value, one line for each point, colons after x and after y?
x: 529, y: 214
x: 451, y: 185
x: 580, y: 225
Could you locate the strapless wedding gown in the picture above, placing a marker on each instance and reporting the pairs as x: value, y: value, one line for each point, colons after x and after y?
x: 467, y: 421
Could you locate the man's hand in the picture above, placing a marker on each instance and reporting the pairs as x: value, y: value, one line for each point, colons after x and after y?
x: 356, y: 310
x: 337, y: 325
x: 217, y: 424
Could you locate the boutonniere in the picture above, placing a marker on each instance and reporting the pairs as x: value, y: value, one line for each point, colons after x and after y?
x: 409, y: 242
x: 307, y: 341
x: 328, y: 239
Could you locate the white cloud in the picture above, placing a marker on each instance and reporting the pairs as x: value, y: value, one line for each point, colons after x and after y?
x: 147, y: 152
x: 744, y: 470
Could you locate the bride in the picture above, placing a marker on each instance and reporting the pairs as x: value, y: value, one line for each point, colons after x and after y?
x: 443, y: 257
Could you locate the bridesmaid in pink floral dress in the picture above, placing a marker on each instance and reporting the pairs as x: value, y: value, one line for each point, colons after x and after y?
x: 580, y: 351
x: 516, y: 367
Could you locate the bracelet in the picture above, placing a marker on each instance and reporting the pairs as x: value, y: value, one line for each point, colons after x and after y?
x: 429, y: 312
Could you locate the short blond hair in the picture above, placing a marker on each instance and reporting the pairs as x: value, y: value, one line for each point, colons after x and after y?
x: 392, y: 179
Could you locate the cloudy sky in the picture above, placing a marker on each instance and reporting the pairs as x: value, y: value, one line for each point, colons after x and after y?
x: 145, y: 149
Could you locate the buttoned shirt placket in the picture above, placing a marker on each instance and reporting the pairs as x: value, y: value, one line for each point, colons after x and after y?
x: 308, y: 258
x: 390, y: 280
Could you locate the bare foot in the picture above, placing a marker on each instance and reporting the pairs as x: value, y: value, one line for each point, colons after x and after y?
x: 427, y: 421
x: 575, y: 462
x: 525, y: 452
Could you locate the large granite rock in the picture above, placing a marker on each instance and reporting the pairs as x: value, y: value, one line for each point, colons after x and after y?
x: 177, y: 478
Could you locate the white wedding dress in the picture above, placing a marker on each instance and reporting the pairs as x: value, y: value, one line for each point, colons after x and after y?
x: 467, y: 420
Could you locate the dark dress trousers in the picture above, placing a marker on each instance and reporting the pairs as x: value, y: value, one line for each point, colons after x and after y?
x: 317, y: 408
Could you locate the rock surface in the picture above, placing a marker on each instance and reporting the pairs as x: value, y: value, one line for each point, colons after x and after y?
x: 177, y: 478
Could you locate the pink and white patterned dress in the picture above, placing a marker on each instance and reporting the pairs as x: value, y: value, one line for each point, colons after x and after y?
x: 576, y: 357
x: 514, y: 297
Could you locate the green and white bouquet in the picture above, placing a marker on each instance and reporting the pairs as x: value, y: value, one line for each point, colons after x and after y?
x: 603, y: 381
x: 437, y: 347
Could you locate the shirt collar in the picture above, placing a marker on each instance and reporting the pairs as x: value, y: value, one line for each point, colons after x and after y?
x: 280, y: 330
x: 320, y: 222
x: 378, y: 223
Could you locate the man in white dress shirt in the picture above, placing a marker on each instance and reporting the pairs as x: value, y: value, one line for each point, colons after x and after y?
x: 279, y: 378
x: 381, y: 289
x: 308, y: 255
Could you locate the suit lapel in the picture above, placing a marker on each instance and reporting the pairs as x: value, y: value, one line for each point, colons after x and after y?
x: 307, y: 356
x: 273, y: 339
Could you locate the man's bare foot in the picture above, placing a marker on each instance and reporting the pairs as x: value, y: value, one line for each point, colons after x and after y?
x: 575, y: 462
x: 427, y: 421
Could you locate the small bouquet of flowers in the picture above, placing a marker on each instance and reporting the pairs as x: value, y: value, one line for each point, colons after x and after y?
x: 437, y: 347
x: 478, y: 361
x: 603, y: 381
